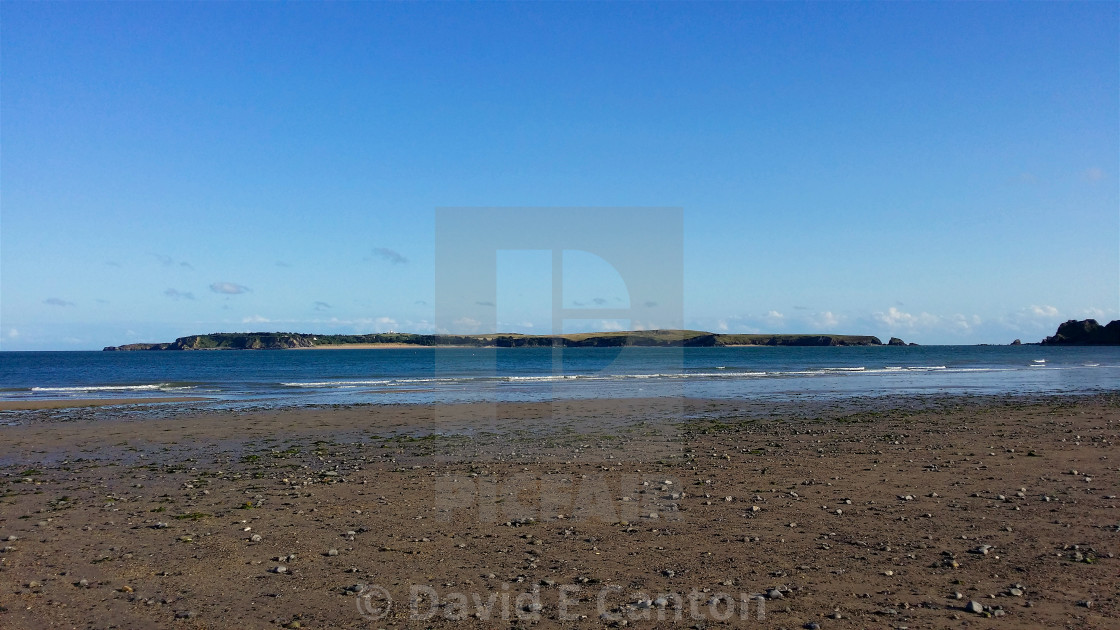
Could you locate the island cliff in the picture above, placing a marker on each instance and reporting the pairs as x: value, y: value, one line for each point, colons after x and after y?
x: 1086, y: 332
x: 665, y: 338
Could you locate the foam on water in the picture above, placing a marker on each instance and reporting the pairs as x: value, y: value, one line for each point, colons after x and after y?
x: 277, y: 378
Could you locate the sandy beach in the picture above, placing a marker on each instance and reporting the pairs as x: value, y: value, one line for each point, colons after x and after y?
x: 919, y: 512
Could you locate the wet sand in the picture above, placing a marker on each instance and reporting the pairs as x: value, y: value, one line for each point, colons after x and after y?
x: 70, y: 403
x: 868, y: 513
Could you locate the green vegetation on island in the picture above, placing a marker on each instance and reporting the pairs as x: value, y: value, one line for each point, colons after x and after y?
x: 664, y: 338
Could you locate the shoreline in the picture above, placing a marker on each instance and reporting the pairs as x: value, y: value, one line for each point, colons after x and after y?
x: 73, y: 403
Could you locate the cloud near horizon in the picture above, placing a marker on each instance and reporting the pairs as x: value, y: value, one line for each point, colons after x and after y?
x: 229, y: 288
x: 1044, y: 311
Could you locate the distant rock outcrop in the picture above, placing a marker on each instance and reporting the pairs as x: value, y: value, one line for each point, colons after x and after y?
x: 895, y: 341
x: 1086, y: 332
x: 1016, y: 343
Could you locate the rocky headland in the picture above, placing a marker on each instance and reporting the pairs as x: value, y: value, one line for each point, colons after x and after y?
x: 1086, y: 332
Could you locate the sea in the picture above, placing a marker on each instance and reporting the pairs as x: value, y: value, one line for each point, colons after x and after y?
x: 286, y: 378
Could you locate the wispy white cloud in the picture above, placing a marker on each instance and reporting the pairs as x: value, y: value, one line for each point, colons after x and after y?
x: 1095, y: 313
x: 255, y: 319
x: 168, y: 261
x: 465, y: 325
x: 13, y: 333
x: 897, y: 320
x: 390, y: 255
x: 1044, y: 311
x: 229, y: 288
x: 176, y: 294
x: 1093, y: 174
x: 322, y: 306
x: 824, y: 320
x: 612, y: 325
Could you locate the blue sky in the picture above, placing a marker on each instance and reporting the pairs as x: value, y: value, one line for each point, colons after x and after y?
x: 942, y: 172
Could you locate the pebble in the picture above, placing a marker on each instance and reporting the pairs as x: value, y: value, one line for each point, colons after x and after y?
x: 332, y: 552
x: 280, y: 569
x: 974, y: 606
x: 774, y: 594
x: 255, y: 538
x: 13, y: 538
x: 83, y: 583
x: 185, y: 614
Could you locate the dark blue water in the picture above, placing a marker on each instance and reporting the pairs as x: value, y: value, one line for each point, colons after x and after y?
x: 427, y: 375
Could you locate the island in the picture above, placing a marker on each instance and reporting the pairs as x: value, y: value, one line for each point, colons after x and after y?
x: 653, y: 338
x: 1085, y: 332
